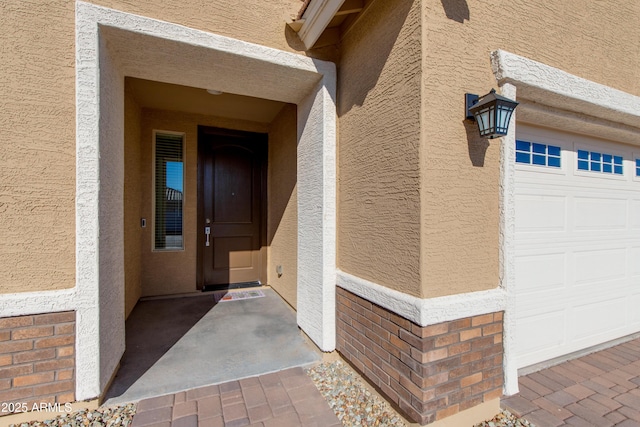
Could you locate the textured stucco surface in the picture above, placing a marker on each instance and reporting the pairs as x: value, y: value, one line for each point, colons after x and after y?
x: 37, y: 115
x: 553, y: 98
x: 316, y: 165
x: 282, y: 215
x: 109, y: 45
x: 37, y: 163
x: 257, y: 21
x: 174, y: 271
x: 132, y: 195
x: 425, y: 311
x: 461, y: 173
x: 507, y: 248
x: 109, y: 294
x: 379, y: 149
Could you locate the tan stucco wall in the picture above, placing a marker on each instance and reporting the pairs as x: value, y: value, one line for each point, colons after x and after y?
x: 256, y: 21
x: 404, y: 185
x: 37, y: 154
x: 418, y: 193
x: 37, y: 120
x: 460, y: 181
x: 282, y: 216
x: 132, y: 207
x: 379, y: 143
x: 174, y: 272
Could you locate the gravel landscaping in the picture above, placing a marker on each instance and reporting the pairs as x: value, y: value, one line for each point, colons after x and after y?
x: 349, y: 398
x: 506, y: 419
x: 119, y: 416
x: 347, y: 394
x: 355, y: 405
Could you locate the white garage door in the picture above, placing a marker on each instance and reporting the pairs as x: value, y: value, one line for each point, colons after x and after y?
x: 577, y: 243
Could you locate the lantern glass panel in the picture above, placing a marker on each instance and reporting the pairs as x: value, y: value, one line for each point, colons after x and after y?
x: 502, y: 123
x: 486, y: 119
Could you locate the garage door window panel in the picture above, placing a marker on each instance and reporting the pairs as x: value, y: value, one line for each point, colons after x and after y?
x: 594, y: 161
x: 637, y: 167
x: 535, y: 153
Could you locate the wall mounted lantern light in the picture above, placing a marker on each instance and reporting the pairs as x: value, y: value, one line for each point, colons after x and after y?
x: 492, y: 112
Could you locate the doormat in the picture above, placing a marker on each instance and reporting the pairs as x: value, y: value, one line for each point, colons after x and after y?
x: 238, y: 295
x: 229, y: 286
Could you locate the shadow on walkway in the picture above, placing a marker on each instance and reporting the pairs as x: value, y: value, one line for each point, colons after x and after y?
x: 154, y: 327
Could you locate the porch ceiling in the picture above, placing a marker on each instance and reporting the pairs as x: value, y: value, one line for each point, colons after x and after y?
x: 172, y: 97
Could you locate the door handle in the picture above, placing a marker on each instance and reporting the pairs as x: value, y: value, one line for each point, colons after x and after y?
x: 207, y: 233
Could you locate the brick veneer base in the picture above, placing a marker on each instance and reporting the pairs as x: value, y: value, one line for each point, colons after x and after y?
x: 37, y: 360
x: 429, y: 372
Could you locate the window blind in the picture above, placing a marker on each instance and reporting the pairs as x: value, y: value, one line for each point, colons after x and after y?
x: 169, y: 188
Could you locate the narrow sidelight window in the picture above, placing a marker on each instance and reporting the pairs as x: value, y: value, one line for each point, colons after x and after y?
x: 169, y: 187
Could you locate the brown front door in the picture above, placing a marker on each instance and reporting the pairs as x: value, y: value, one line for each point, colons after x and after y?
x: 231, y: 206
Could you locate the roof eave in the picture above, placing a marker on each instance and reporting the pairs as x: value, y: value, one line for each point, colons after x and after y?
x: 317, y: 15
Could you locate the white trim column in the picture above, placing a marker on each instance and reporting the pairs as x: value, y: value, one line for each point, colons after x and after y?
x: 317, y: 215
x: 507, y: 246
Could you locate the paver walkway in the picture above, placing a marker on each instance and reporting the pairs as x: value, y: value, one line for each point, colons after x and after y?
x: 282, y: 399
x: 600, y: 389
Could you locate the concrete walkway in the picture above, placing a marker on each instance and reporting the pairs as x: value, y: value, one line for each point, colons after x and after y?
x: 180, y: 344
x: 601, y: 389
x: 284, y: 399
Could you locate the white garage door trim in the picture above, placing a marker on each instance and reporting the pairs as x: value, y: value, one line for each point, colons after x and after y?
x: 577, y: 234
x: 551, y: 97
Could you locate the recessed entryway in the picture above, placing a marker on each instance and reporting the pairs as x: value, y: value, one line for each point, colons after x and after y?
x: 112, y: 44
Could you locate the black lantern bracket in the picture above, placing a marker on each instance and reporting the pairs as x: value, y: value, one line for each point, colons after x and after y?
x: 470, y: 100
